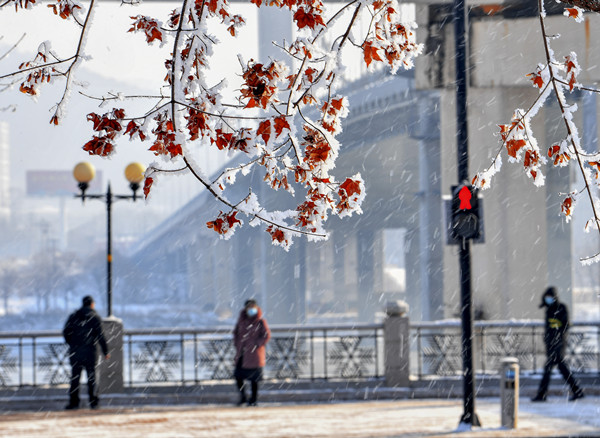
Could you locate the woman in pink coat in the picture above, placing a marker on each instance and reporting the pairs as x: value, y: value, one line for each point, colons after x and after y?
x: 250, y: 335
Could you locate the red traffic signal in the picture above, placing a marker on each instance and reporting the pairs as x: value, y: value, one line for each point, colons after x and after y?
x: 464, y: 197
x: 465, y: 212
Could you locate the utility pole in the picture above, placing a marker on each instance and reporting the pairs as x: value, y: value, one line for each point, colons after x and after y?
x: 469, y: 416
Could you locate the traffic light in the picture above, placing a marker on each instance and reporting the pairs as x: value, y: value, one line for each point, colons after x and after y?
x: 465, y: 212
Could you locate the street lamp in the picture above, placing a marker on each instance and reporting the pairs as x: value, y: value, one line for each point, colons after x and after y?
x: 84, y: 173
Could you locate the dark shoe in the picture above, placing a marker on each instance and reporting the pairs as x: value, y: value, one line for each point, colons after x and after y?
x: 71, y: 407
x: 576, y: 395
x: 252, y: 403
x: 94, y: 405
x: 539, y: 398
x: 242, y: 400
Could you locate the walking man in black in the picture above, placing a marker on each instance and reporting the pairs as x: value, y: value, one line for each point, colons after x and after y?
x: 556, y: 326
x: 83, y: 334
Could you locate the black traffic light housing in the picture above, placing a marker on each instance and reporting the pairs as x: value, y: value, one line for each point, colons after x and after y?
x: 465, y: 213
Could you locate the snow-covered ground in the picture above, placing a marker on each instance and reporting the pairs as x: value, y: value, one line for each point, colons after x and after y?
x: 407, y: 418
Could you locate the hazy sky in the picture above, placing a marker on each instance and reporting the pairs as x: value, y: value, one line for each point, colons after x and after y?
x: 120, y: 61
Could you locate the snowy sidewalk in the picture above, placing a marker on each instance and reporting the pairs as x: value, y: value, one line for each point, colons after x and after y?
x: 406, y: 418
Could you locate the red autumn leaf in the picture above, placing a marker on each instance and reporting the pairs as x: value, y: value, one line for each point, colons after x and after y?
x: 264, y: 130
x: 276, y: 234
x: 147, y: 186
x: 596, y: 164
x: 174, y: 149
x: 533, y: 174
x: 133, y: 128
x: 569, y: 64
x: 280, y: 124
x: 196, y: 123
x: 531, y: 158
x: 319, y: 152
x: 572, y: 82
x: 567, y: 206
x: 309, y: 18
x: 310, y: 73
x: 337, y: 103
x: 216, y: 225
x: 232, y: 220
x: 148, y: 26
x: 572, y: 12
x: 370, y: 52
x: 222, y: 140
x: 514, y: 146
x: 350, y: 187
x: 27, y: 89
x: 99, y: 146
x: 537, y: 79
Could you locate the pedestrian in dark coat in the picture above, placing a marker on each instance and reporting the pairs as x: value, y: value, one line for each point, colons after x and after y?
x: 250, y: 336
x: 555, y: 339
x: 83, y: 333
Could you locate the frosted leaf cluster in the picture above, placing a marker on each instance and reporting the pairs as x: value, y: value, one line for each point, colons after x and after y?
x: 554, y: 78
x: 281, y: 123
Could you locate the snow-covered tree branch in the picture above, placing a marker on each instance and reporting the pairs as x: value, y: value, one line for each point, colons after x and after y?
x: 284, y: 118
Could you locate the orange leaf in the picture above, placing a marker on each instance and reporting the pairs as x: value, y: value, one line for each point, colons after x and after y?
x: 573, y: 12
x: 264, y: 130
x: 337, y: 103
x: 537, y: 79
x: 147, y: 186
x: 370, y: 52
x: 572, y: 82
x: 513, y: 146
x: 276, y: 234
x: 350, y: 187
x: 280, y: 124
x: 232, y: 220
x: 567, y: 206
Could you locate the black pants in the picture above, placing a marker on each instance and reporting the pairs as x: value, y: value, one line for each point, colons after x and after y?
x: 77, y: 367
x: 555, y: 358
x: 240, y: 385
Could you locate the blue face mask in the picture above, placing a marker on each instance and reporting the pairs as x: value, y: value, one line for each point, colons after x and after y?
x: 548, y: 300
x: 252, y: 311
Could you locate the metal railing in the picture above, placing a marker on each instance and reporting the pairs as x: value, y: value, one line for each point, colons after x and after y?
x: 294, y: 352
x: 323, y: 352
x: 436, y: 347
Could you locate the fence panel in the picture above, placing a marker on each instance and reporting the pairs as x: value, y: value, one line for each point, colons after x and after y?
x: 178, y: 356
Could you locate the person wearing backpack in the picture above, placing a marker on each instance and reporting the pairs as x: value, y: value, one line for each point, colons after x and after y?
x: 83, y: 333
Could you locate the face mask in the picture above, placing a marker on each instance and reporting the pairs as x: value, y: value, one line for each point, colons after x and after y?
x: 548, y: 300
x: 252, y: 311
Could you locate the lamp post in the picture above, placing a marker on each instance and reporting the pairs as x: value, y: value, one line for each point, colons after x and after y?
x: 84, y: 173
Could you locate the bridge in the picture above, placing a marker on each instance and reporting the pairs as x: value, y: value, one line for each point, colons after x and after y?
x: 400, y: 135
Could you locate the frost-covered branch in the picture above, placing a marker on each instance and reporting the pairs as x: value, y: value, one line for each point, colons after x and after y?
x: 283, y: 120
x: 554, y: 78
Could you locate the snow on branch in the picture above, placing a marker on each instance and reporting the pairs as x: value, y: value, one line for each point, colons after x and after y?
x: 556, y: 78
x: 282, y: 122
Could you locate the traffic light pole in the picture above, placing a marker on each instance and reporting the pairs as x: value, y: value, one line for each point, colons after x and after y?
x: 469, y: 416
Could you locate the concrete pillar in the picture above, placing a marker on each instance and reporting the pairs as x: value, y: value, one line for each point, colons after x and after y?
x: 110, y: 372
x: 396, y: 333
x: 366, y: 274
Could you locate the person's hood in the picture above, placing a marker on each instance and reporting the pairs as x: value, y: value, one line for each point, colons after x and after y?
x: 550, y: 292
x: 244, y: 315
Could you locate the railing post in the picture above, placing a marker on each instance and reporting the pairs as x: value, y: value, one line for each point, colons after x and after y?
x: 110, y: 372
x: 396, y: 334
